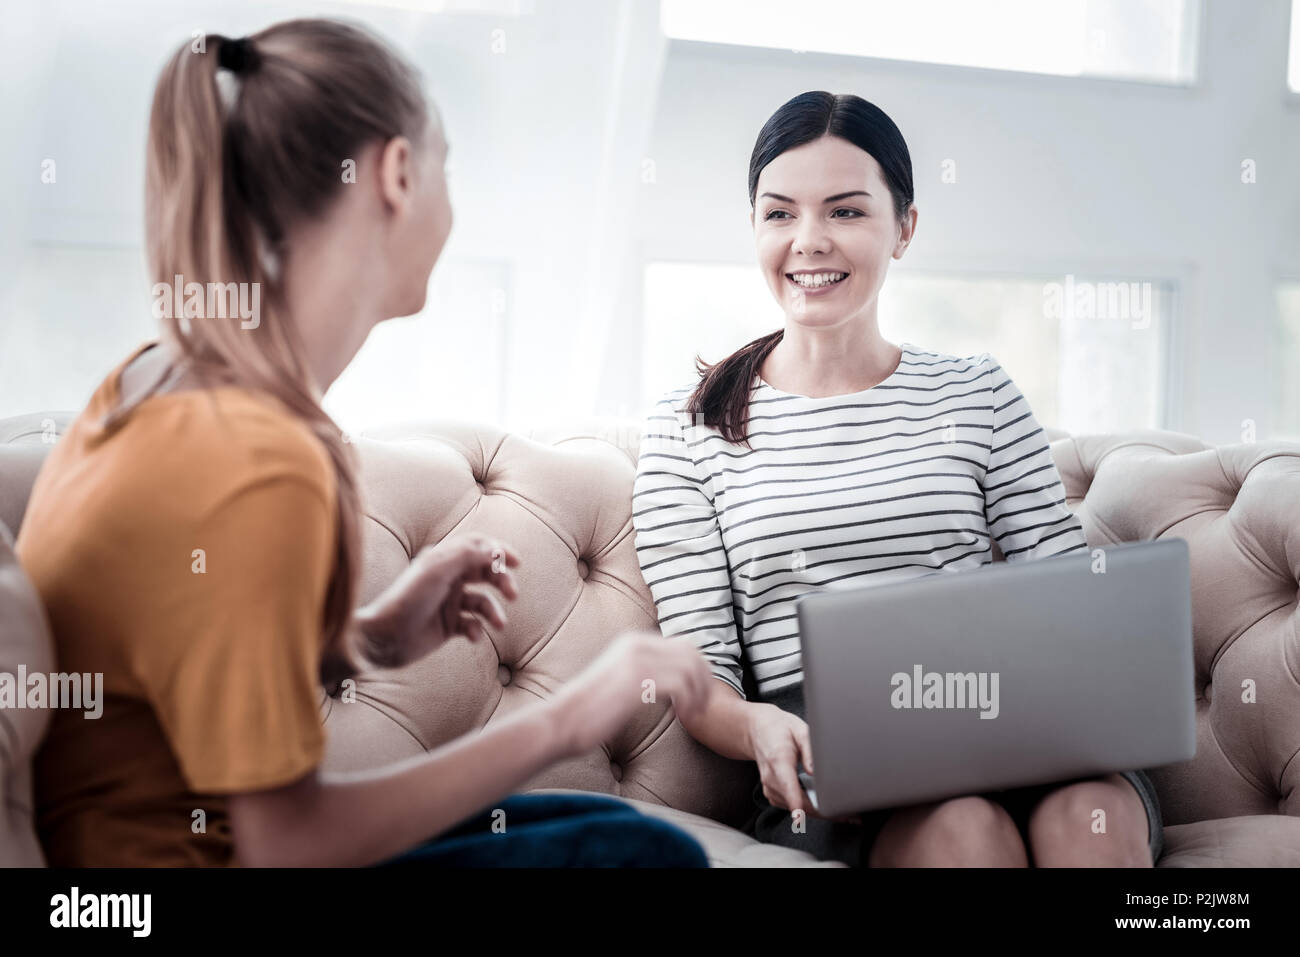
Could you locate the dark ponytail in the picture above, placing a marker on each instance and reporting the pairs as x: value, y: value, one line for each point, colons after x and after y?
x: 721, y: 400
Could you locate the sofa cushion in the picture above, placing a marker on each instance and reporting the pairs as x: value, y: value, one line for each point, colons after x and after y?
x: 725, y: 846
x: 1254, y: 840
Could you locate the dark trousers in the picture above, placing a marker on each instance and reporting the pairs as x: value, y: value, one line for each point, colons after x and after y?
x: 558, y: 830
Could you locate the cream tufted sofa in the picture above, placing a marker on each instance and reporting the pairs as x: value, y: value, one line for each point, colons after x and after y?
x: 562, y: 498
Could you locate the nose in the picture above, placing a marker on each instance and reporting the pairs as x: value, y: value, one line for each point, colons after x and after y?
x: 811, y: 237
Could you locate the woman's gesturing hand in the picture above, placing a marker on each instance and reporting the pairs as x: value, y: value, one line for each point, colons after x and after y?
x: 636, y: 670
x: 448, y: 589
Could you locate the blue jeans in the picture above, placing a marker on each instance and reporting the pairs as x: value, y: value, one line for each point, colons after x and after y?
x: 558, y: 830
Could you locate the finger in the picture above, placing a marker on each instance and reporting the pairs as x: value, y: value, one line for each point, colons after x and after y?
x: 502, y: 555
x: 472, y: 628
x: 511, y: 556
x: 485, y: 560
x: 484, y: 603
x: 787, y: 783
x: 773, y: 797
x: 805, y: 746
x: 447, y: 617
x: 502, y: 585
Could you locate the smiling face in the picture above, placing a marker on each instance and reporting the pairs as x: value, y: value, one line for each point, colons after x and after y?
x: 825, y: 230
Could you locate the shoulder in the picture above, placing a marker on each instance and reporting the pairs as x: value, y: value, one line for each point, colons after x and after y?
x: 943, y: 370
x: 269, y: 440
x: 669, y: 409
x: 226, y: 439
x: 921, y: 359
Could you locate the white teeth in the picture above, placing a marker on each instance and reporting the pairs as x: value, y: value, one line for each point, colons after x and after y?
x: 819, y: 279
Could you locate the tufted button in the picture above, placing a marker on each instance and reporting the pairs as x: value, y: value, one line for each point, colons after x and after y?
x: 583, y: 568
x: 503, y: 675
x: 616, y: 770
x: 1206, y: 693
x: 482, y: 489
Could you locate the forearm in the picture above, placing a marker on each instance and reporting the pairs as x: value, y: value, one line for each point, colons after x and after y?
x: 362, y: 818
x: 724, y: 724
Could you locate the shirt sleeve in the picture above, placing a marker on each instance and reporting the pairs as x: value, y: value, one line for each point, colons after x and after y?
x: 679, y: 546
x: 236, y: 686
x: 1024, y: 500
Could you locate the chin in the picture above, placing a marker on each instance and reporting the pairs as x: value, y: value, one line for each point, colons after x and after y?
x: 413, y: 304
x: 820, y: 315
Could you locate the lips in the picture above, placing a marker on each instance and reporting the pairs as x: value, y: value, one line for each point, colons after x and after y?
x: 817, y: 289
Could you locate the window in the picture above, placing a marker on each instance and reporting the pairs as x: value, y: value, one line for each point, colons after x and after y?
x: 1087, y: 353
x: 1151, y: 40
x: 447, y: 362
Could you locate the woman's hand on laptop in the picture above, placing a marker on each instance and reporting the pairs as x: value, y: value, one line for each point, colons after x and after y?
x: 449, y: 589
x: 780, y: 741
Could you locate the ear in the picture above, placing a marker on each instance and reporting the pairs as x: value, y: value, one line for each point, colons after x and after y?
x: 906, y: 231
x: 751, y: 219
x: 396, y: 173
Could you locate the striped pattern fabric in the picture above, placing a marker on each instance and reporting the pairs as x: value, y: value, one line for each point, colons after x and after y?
x: 913, y: 476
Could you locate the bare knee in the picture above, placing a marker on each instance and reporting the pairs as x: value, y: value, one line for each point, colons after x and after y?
x: 1101, y: 823
x: 967, y: 831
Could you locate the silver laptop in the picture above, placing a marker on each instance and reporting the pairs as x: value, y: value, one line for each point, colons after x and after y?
x: 1010, y: 674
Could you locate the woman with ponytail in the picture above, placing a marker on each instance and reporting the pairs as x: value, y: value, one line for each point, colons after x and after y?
x: 823, y: 455
x: 194, y: 535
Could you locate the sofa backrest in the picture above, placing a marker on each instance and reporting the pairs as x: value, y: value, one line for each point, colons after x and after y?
x: 563, y: 500
x: 1238, y: 508
x: 562, y: 497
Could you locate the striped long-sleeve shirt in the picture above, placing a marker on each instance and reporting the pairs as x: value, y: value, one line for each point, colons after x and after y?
x: 915, y: 475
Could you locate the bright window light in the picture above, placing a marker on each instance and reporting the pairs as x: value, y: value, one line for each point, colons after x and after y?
x: 447, y: 362
x: 1152, y: 40
x: 1087, y: 352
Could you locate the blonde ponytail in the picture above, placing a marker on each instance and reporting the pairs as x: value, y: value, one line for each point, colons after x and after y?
x: 228, y: 175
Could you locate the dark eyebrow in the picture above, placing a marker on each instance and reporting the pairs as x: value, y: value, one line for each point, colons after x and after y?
x: 829, y: 199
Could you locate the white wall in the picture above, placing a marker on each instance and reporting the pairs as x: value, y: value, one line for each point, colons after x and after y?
x: 542, y: 117
x: 1055, y: 175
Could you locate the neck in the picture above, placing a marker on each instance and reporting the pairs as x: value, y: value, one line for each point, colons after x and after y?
x: 327, y: 302
x: 848, y: 357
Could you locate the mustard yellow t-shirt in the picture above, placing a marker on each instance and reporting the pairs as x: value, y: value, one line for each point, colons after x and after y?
x: 185, y: 554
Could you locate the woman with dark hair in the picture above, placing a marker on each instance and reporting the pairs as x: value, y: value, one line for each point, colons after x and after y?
x: 824, y: 455
x: 195, y: 536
